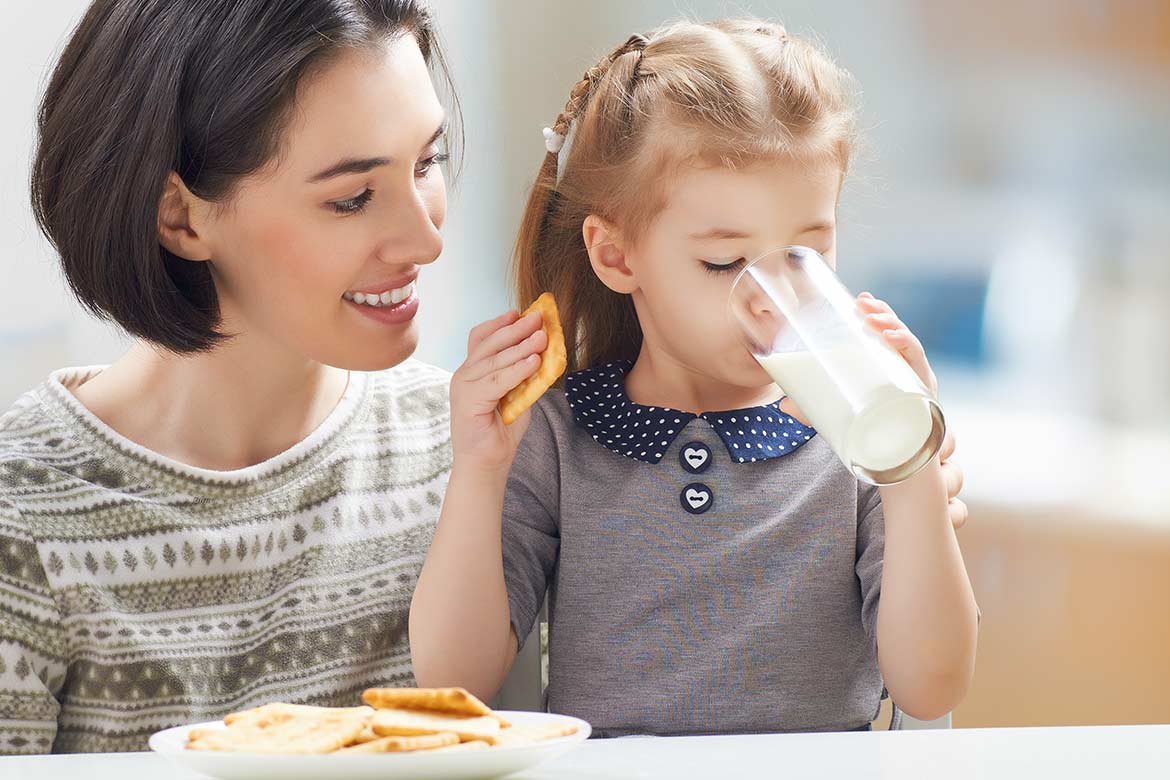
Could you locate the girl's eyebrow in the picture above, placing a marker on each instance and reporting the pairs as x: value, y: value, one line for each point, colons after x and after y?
x: 720, y: 233
x: 361, y: 165
x: 723, y: 233
x: 818, y: 227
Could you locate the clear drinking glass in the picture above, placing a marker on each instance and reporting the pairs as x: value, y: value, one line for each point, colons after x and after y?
x: 804, y: 328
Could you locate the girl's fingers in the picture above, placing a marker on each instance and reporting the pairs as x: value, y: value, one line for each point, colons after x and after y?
x: 532, y: 345
x: 884, y: 321
x: 496, y: 385
x: 910, y: 348
x: 958, y: 512
x: 481, y: 331
x: 953, y: 478
x: 948, y: 446
x: 869, y: 303
x: 504, y: 337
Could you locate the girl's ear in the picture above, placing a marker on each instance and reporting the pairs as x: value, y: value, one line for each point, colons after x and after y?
x: 607, y: 255
x: 183, y: 221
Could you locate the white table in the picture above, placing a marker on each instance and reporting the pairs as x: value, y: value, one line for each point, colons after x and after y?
x: 1101, y: 753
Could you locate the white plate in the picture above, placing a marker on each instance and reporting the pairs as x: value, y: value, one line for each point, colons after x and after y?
x: 477, y: 765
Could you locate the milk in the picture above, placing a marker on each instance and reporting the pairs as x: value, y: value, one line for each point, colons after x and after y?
x: 875, y: 427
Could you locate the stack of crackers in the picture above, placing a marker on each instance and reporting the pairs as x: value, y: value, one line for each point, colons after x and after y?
x: 396, y: 720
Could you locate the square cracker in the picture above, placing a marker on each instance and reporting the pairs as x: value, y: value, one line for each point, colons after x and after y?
x: 427, y: 742
x: 528, y: 735
x: 303, y: 733
x: 409, y: 723
x: 455, y: 701
x: 278, y: 712
x: 553, y: 361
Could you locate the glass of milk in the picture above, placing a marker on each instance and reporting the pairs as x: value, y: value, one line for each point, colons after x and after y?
x: 804, y: 327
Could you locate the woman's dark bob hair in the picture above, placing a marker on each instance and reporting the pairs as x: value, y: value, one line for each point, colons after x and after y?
x: 203, y: 88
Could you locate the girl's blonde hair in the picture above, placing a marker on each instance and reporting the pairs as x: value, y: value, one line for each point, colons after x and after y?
x: 723, y: 93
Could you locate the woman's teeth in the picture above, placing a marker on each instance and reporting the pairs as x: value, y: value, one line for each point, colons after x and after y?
x: 385, y: 298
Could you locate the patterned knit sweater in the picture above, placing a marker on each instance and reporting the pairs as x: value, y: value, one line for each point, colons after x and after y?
x: 138, y: 593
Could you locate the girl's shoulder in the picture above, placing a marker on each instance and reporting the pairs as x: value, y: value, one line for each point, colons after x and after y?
x: 550, y: 431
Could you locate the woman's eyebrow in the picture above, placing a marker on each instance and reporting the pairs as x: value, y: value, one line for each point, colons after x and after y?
x: 440, y: 131
x: 349, y: 165
x: 362, y: 164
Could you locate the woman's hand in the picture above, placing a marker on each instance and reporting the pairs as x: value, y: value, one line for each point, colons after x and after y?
x: 882, y: 319
x: 501, y: 353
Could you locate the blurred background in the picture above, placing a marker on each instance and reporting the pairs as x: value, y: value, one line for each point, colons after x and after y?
x: 1012, y: 202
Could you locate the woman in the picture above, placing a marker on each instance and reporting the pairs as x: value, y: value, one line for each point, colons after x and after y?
x: 237, y: 510
x: 234, y: 512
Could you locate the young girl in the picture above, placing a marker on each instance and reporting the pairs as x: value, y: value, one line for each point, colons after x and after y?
x: 709, y: 563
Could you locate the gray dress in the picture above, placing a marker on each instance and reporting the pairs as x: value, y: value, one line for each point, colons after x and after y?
x: 705, y: 574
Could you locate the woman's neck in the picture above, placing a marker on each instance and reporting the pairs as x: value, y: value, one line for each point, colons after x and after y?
x: 236, y: 406
x: 658, y: 379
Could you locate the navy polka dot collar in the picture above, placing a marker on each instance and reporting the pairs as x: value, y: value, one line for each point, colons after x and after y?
x: 601, y: 407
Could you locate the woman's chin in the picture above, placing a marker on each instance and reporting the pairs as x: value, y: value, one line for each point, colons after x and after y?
x: 374, y: 354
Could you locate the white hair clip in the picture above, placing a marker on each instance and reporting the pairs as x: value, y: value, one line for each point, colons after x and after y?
x: 553, y: 141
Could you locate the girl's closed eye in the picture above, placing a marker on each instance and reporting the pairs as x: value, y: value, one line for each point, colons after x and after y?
x: 723, y: 265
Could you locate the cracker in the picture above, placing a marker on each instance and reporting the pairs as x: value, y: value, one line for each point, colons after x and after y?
x: 454, y: 701
x: 279, y: 711
x: 367, y: 734
x: 552, y: 363
x: 409, y: 723
x: 530, y: 735
x: 428, y: 742
x: 301, y: 734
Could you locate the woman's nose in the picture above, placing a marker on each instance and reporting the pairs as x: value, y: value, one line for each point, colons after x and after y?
x: 413, y: 232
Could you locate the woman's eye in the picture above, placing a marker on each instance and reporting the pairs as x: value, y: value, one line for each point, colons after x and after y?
x: 423, y: 167
x: 354, y: 205
x: 724, y: 265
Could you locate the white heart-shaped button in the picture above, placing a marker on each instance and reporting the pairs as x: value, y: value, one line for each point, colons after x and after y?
x: 697, y: 498
x: 695, y: 457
